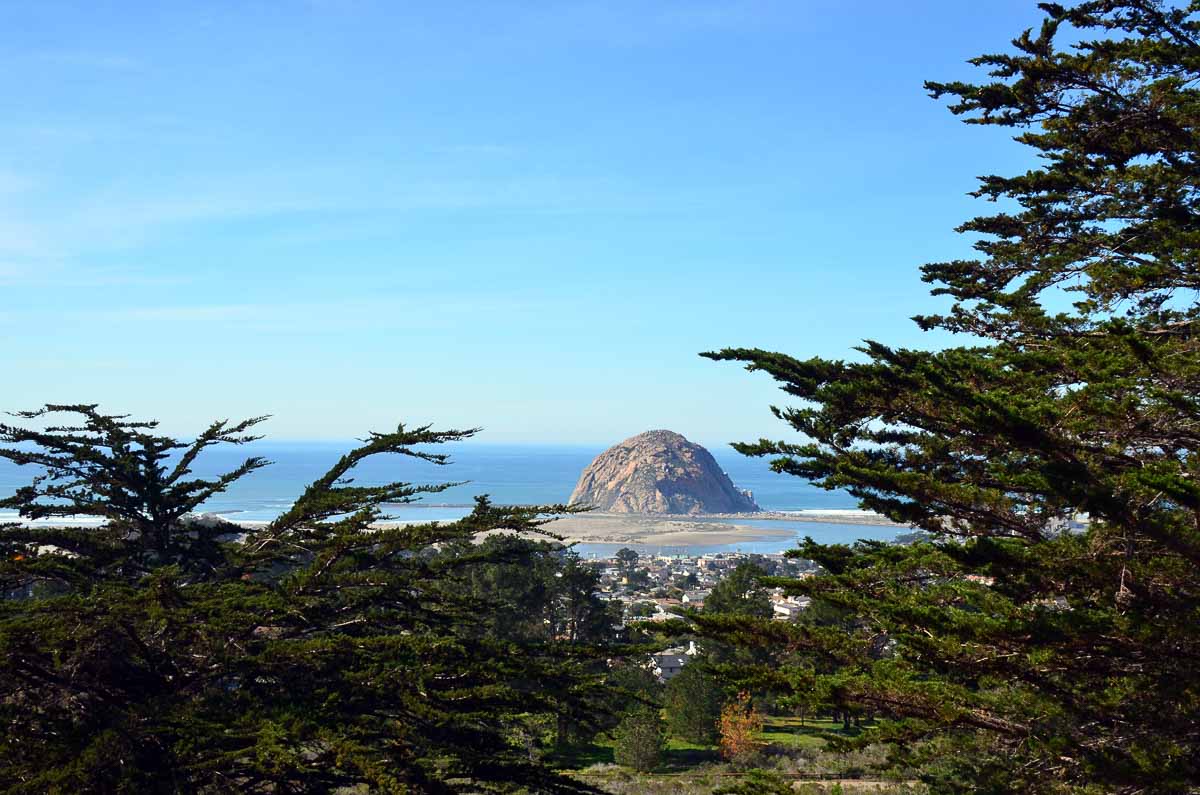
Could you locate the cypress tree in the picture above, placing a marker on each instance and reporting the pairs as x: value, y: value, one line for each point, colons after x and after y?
x: 149, y: 652
x: 1044, y: 638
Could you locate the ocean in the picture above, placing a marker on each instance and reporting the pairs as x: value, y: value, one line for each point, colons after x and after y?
x: 511, y: 474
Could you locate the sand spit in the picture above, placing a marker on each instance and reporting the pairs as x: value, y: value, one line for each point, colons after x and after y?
x: 666, y: 530
x: 658, y: 531
x: 826, y: 517
x: 675, y: 530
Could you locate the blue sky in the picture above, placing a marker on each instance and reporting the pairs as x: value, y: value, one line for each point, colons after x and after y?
x: 529, y: 216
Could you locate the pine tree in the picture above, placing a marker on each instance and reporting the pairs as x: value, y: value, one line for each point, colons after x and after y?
x: 154, y: 653
x: 639, y: 740
x: 692, y: 704
x: 1044, y: 638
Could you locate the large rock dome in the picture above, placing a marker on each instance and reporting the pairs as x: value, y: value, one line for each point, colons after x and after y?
x: 659, y: 472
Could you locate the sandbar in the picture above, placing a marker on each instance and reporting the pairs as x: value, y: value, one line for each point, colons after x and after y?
x: 658, y: 531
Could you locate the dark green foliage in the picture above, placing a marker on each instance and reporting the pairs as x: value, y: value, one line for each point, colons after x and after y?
x: 639, y: 740
x: 637, y: 579
x: 138, y: 482
x: 630, y: 687
x: 533, y: 590
x: 1023, y: 652
x: 739, y: 593
x: 689, y: 581
x: 154, y: 653
x: 537, y: 592
x: 633, y: 685
x: 628, y: 558
x: 738, y: 603
x: 692, y: 704
x: 641, y: 609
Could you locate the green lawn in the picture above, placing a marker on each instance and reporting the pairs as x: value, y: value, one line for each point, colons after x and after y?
x: 580, y: 756
x: 803, y: 733
x: 680, y: 755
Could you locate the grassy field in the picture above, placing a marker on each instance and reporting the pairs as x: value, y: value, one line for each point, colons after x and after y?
x: 802, y: 733
x: 794, y: 748
x: 679, y: 755
x: 778, y: 732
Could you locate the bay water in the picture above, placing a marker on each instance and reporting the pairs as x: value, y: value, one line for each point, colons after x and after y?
x: 511, y: 474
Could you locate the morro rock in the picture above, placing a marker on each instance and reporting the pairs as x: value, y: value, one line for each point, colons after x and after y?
x: 659, y: 472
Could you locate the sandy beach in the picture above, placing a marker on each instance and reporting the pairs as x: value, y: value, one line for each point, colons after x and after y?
x: 658, y: 531
x: 825, y: 516
x: 673, y: 530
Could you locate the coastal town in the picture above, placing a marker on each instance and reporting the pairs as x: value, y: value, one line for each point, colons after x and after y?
x: 699, y: 397
x: 656, y: 587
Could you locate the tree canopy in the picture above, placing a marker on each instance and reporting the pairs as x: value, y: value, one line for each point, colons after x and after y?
x: 739, y: 593
x: 1044, y: 638
x: 692, y: 703
x: 150, y: 651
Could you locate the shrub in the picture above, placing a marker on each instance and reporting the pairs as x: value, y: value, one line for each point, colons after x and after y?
x: 740, y: 725
x: 640, y: 740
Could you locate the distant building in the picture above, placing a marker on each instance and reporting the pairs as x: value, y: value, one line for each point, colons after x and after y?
x: 666, y: 666
x: 669, y: 663
x: 788, y: 608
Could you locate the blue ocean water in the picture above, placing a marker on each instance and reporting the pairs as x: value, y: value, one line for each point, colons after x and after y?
x: 509, y: 474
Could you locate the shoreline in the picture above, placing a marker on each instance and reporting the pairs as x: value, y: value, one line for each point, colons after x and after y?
x: 642, y: 530
x: 651, y: 530
x: 699, y: 530
x: 833, y: 516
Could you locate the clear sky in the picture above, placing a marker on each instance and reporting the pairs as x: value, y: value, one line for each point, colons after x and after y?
x: 528, y: 216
